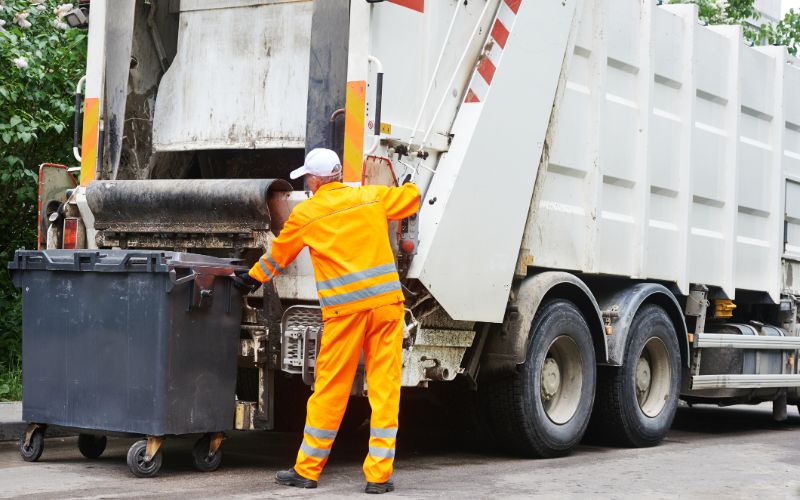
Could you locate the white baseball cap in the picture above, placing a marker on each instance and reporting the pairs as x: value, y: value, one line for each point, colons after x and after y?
x: 320, y: 162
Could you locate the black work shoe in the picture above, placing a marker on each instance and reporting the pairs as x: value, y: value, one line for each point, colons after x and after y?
x: 378, y: 488
x: 291, y: 478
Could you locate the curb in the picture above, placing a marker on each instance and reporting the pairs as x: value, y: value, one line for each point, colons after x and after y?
x: 12, y: 431
x: 12, y: 426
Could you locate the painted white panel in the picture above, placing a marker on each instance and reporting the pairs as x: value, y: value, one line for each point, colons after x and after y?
x: 665, y: 148
x: 708, y: 163
x: 712, y: 52
x: 247, y: 89
x: 409, y: 44
x: 791, y: 104
x: 470, y: 238
x: 758, y: 74
x: 667, y: 40
x: 622, y: 32
x: 756, y: 178
x: 571, y: 149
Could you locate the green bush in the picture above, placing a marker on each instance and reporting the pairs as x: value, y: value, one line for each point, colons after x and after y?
x: 785, y: 31
x: 41, y: 60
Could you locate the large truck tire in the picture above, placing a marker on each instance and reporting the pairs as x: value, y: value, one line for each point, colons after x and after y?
x: 543, y: 409
x: 636, y: 403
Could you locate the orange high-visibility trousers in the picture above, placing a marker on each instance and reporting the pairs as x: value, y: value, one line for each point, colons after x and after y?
x: 379, y: 332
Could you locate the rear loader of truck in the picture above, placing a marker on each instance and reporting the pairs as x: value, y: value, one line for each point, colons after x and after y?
x: 611, y: 208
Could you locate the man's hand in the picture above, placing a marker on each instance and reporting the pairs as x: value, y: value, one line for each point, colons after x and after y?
x: 246, y: 283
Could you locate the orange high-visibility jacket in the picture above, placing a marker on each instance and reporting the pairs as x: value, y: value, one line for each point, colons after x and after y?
x: 347, y: 232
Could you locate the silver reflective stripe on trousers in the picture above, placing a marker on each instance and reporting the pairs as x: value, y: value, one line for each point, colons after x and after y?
x: 357, y: 276
x: 265, y: 269
x: 319, y: 433
x: 312, y: 451
x: 387, y: 432
x: 381, y: 452
x: 370, y: 291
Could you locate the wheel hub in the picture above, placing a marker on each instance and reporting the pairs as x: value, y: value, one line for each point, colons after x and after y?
x: 551, y: 379
x: 652, y: 377
x: 560, y: 380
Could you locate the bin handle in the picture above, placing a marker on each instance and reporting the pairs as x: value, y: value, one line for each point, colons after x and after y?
x: 175, y: 282
x: 151, y: 258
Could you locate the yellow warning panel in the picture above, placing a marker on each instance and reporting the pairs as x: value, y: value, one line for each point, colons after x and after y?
x: 386, y: 128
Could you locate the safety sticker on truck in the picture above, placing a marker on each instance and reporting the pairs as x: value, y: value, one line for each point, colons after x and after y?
x: 487, y: 65
x: 418, y: 5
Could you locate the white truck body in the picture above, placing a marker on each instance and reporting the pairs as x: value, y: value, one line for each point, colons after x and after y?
x: 611, y: 159
x: 671, y: 147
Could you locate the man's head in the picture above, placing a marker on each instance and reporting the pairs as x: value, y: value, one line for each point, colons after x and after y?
x: 322, y: 166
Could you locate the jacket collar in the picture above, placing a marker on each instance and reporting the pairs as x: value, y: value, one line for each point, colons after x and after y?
x: 330, y: 187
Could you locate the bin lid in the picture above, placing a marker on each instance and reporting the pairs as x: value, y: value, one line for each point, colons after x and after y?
x: 153, y: 261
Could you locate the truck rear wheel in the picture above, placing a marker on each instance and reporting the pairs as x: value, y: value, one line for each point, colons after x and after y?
x: 636, y: 402
x: 544, y: 409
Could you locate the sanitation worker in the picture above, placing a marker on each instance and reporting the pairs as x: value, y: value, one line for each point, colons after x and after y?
x: 346, y: 230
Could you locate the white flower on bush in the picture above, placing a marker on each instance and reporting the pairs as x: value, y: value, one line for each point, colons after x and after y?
x: 21, y: 63
x: 60, y: 24
x: 2, y: 23
x: 22, y: 19
x: 41, y: 7
x: 62, y: 9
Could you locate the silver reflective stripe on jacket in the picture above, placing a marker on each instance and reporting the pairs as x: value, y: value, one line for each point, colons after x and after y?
x: 370, y: 291
x: 278, y: 269
x: 372, y: 272
x: 265, y: 269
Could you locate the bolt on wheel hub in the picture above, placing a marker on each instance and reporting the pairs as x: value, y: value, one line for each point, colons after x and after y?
x: 652, y: 377
x: 643, y: 377
x: 561, y: 380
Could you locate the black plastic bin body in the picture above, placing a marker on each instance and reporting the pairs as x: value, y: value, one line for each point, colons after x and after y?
x: 141, y: 342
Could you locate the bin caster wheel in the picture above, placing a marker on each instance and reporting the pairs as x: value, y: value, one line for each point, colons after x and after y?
x: 91, y: 446
x: 203, y: 458
x: 31, y: 444
x: 137, y: 463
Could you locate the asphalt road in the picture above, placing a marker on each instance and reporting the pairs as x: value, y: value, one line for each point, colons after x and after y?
x: 711, y: 452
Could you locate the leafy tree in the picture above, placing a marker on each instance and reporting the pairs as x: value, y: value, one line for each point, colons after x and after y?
x: 41, y: 60
x: 786, y: 31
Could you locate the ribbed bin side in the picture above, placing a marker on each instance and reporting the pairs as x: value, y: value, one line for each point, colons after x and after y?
x: 129, y: 351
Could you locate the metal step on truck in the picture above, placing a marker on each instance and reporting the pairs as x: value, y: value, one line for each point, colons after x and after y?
x: 611, y: 193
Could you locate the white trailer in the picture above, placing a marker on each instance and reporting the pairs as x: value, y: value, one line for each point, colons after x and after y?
x: 611, y: 217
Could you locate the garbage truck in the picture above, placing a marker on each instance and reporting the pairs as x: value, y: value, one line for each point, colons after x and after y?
x: 610, y: 217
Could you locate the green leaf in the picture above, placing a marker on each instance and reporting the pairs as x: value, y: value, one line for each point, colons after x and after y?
x: 14, y: 120
x: 6, y: 137
x: 14, y: 160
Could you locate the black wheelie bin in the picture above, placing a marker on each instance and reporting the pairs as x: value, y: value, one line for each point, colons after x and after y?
x: 131, y: 342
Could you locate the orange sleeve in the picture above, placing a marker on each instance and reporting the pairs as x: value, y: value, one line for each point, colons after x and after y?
x: 401, y: 202
x: 282, y: 252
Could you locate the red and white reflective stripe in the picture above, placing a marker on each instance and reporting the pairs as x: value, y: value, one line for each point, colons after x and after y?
x: 487, y: 65
x: 418, y: 5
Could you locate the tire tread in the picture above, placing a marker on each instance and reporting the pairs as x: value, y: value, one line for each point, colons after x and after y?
x: 505, y: 400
